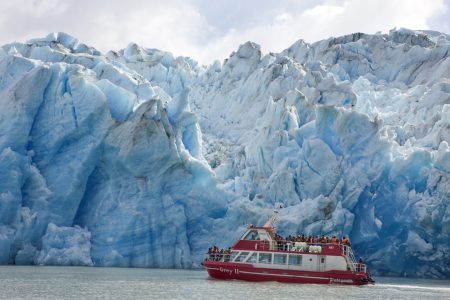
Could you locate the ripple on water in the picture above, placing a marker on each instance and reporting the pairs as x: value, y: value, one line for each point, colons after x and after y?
x: 124, y: 283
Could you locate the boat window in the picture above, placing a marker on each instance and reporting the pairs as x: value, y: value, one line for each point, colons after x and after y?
x: 279, y: 259
x: 252, y: 235
x: 295, y: 259
x: 265, y: 258
x: 252, y: 258
x: 233, y: 255
x: 241, y: 256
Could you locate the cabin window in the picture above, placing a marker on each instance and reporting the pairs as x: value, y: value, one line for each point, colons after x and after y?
x: 241, y: 256
x: 279, y: 259
x: 252, y: 258
x: 252, y: 235
x: 233, y: 255
x: 295, y: 259
x: 265, y: 258
x: 322, y: 260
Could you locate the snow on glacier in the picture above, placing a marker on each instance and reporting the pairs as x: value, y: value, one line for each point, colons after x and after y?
x: 139, y: 158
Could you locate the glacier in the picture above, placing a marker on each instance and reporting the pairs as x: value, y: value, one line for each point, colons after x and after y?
x: 137, y: 158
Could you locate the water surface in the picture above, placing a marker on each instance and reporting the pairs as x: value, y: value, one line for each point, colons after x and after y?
x: 37, y: 282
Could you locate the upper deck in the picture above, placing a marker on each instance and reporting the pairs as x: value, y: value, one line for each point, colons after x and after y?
x: 264, y: 239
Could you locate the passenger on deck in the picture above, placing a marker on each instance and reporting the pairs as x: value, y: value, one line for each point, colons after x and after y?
x: 212, y: 256
x: 316, y: 239
x: 360, y: 265
x: 278, y: 237
x: 346, y: 241
x: 334, y: 240
x: 324, y: 240
x: 227, y: 253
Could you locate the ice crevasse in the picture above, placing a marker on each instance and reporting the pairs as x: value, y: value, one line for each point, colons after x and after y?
x: 139, y: 158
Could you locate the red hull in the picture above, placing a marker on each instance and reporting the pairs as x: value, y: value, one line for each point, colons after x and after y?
x: 240, y: 271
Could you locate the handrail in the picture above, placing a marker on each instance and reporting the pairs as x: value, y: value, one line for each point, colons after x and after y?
x: 283, y: 245
x: 352, y: 264
x: 359, y: 268
x: 347, y: 251
x: 223, y: 257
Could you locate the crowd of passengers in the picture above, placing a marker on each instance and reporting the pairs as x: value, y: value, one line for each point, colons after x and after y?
x: 215, y: 253
x: 314, y: 240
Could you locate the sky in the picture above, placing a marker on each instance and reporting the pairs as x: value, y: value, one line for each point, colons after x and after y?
x: 207, y: 30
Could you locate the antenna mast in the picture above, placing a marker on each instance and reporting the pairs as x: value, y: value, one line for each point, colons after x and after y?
x: 272, y: 219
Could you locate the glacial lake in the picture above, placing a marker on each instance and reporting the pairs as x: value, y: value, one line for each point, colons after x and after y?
x: 39, y: 282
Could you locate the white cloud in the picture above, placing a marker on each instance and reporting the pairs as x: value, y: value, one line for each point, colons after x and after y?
x: 179, y: 26
x: 333, y: 18
x: 328, y: 10
x: 173, y: 25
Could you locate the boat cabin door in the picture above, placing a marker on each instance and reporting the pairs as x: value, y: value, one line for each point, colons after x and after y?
x: 322, y: 263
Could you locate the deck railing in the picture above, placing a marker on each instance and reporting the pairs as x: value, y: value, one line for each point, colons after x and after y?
x: 359, y: 268
x: 347, y: 250
x: 224, y: 257
x: 298, y: 246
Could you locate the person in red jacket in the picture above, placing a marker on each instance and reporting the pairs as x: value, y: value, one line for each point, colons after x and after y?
x: 360, y: 265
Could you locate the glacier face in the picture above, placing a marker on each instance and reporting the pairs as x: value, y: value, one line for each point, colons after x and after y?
x: 138, y: 158
x: 88, y: 143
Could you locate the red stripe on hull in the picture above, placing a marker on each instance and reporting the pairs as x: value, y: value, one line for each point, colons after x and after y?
x: 227, y: 271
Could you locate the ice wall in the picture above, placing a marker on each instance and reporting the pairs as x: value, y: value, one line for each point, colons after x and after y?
x: 93, y: 170
x: 349, y: 134
x: 138, y: 158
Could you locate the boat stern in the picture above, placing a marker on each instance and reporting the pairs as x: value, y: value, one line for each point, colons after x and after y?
x: 363, y: 278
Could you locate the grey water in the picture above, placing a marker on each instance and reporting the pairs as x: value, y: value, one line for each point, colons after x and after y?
x: 38, y: 282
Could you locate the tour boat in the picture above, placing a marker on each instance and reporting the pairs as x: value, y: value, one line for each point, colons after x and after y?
x: 260, y: 256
